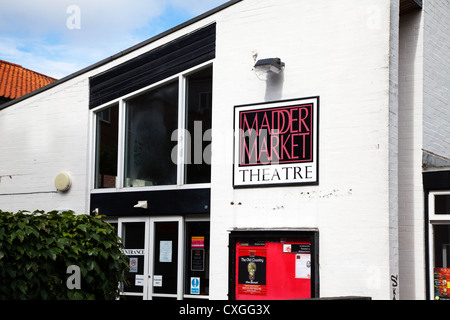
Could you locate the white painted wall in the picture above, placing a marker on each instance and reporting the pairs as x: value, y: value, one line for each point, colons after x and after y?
x: 40, y: 137
x: 338, y: 50
x: 393, y: 148
x: 411, y: 203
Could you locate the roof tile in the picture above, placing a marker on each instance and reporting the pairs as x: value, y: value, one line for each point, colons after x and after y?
x: 16, y: 81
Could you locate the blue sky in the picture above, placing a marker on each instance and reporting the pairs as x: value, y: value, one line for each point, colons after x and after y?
x: 59, y: 37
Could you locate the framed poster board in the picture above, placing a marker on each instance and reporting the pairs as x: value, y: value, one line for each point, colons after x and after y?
x: 273, y: 265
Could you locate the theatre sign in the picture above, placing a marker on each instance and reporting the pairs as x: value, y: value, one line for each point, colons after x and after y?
x: 276, y: 143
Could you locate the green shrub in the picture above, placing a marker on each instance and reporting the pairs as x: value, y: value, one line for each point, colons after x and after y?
x: 37, y: 248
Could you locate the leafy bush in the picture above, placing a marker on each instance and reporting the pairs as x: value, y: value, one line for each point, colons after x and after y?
x: 37, y: 248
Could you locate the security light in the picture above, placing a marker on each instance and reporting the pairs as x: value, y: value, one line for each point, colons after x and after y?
x: 141, y: 204
x: 268, y: 65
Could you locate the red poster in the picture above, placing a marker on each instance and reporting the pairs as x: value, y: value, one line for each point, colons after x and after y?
x: 197, y: 242
x: 442, y: 283
x: 252, y: 271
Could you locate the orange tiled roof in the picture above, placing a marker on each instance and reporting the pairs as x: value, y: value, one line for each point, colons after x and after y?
x: 16, y: 81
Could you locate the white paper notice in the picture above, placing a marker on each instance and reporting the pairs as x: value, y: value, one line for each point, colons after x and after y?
x: 139, y: 280
x: 157, y: 281
x: 165, y: 251
x: 303, y: 266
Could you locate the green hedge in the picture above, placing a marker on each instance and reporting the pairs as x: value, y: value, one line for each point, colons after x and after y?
x: 37, y: 248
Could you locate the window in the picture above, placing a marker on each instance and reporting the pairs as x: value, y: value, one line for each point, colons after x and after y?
x: 106, y: 153
x: 138, y: 140
x: 442, y: 204
x: 151, y: 119
x: 198, y: 125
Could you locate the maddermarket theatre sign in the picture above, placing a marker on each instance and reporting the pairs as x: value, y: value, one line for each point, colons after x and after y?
x: 276, y: 143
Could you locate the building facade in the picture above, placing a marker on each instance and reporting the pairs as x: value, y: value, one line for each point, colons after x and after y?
x: 264, y: 150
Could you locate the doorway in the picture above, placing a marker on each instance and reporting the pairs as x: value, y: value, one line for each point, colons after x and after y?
x: 168, y: 257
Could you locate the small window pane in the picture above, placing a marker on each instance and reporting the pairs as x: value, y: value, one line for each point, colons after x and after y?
x: 151, y: 119
x: 106, y: 154
x: 442, y: 204
x: 198, y: 124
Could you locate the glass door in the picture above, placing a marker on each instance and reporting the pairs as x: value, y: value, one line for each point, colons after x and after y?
x: 166, y: 267
x: 133, y: 232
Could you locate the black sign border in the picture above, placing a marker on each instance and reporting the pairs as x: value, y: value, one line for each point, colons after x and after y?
x: 287, y: 184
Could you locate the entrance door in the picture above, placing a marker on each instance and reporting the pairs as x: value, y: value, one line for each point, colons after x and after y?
x: 166, y: 258
x: 134, y: 235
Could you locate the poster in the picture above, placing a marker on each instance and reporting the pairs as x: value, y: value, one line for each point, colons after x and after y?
x: 441, y: 283
x: 276, y: 143
x: 252, y: 271
x: 198, y: 242
x: 197, y: 259
x: 303, y: 266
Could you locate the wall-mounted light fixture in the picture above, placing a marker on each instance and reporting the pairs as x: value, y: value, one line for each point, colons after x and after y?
x: 141, y: 204
x: 269, y: 65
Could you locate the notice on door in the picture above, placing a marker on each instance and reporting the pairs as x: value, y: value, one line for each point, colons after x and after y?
x: 165, y: 251
x: 157, y: 280
x: 139, y: 280
x: 134, y: 264
x: 195, y: 285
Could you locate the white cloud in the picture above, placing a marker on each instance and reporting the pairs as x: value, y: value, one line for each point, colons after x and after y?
x: 38, y: 56
x: 39, y: 34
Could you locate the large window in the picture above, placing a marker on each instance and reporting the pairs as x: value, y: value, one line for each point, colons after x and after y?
x: 159, y: 137
x: 151, y: 119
